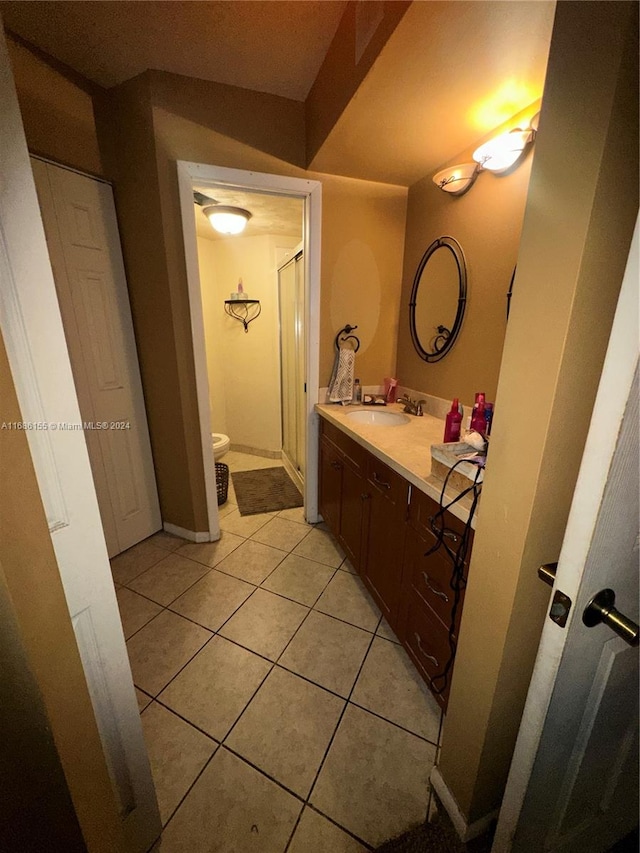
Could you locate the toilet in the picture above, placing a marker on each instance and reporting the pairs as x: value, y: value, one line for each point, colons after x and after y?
x: 220, y: 444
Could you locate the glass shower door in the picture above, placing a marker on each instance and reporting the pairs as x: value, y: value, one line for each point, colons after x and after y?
x: 292, y: 361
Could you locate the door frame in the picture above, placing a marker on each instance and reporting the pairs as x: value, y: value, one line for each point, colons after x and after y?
x: 31, y: 326
x: 295, y: 251
x: 311, y: 193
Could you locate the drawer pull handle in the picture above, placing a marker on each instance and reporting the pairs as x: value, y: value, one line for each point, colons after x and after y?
x: 437, y: 592
x: 335, y: 464
x: 365, y: 497
x: 437, y: 531
x: 433, y: 660
x: 380, y: 482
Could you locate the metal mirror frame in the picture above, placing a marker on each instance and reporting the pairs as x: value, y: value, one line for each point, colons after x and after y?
x: 446, y: 336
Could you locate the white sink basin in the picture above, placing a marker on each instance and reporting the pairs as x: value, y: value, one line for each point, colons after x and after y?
x: 376, y: 418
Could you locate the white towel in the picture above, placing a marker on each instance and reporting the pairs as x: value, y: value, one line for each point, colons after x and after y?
x: 341, y: 385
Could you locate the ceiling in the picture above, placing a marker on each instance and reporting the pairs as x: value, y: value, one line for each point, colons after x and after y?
x: 270, y: 214
x: 276, y: 46
x: 450, y: 73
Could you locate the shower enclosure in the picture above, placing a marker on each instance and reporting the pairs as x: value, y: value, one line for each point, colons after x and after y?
x: 292, y: 364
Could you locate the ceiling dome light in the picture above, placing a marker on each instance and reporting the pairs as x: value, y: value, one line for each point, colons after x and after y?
x: 499, y: 154
x: 227, y: 220
x: 456, y: 180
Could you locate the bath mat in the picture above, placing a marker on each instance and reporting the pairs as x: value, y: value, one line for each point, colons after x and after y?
x: 436, y: 837
x: 265, y: 490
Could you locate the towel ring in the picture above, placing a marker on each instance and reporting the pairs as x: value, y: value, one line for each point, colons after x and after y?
x: 349, y: 337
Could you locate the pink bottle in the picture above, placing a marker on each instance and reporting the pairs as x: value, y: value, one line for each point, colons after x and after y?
x: 452, y: 423
x: 478, y: 420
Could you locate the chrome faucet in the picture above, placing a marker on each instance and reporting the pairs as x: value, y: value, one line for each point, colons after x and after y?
x: 412, y: 407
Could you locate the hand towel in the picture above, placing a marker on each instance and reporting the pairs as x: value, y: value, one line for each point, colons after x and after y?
x: 341, y: 385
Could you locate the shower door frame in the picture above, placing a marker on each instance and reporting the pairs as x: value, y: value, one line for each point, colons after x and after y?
x: 296, y: 473
x: 310, y: 192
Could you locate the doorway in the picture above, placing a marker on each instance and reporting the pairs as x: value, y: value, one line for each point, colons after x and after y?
x: 209, y: 180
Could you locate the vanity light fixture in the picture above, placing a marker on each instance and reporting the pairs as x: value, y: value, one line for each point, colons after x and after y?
x: 456, y: 180
x: 497, y: 155
x: 226, y: 219
x: 501, y: 153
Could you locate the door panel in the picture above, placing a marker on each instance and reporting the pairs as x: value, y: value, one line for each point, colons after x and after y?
x: 81, y: 231
x: 287, y: 284
x: 292, y: 345
x: 33, y: 332
x: 573, y: 784
x: 301, y: 348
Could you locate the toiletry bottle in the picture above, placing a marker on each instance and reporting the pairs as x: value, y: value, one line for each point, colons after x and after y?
x: 488, y: 417
x: 356, y: 400
x: 478, y: 422
x: 452, y: 423
x: 480, y: 398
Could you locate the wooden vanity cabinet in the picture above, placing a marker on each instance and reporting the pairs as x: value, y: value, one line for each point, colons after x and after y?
x: 389, y: 538
x: 426, y: 609
x: 385, y: 517
x: 342, y: 488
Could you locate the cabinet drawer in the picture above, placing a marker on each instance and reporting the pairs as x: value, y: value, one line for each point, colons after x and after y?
x: 353, y: 452
x: 391, y: 485
x: 427, y: 643
x: 430, y: 578
x: 423, y: 511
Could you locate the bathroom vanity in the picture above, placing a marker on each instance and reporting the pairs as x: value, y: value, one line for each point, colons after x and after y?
x: 380, y: 500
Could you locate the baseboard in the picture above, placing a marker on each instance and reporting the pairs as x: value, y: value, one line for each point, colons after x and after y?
x: 256, y: 451
x: 190, y: 535
x: 466, y: 831
x: 296, y: 477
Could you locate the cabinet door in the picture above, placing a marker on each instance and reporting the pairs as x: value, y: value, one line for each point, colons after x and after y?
x: 384, y: 536
x: 430, y: 648
x: 429, y: 576
x: 354, y: 494
x: 330, y: 485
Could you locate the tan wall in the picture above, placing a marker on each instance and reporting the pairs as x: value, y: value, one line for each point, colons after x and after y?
x: 213, y: 319
x: 581, y: 209
x: 244, y: 368
x: 342, y: 70
x: 37, y: 812
x: 486, y: 221
x: 362, y: 241
x: 125, y: 126
x: 56, y: 112
x: 149, y: 213
x: 33, y: 583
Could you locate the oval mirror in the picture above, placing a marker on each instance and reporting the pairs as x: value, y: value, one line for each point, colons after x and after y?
x: 438, y: 299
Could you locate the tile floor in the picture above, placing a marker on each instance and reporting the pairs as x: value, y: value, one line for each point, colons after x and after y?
x: 279, y: 712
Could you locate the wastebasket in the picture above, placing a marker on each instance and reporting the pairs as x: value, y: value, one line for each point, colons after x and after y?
x: 222, y: 481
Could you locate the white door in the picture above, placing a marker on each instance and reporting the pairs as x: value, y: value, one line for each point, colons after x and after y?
x: 34, y: 337
x: 292, y: 365
x: 573, y: 784
x: 82, y: 235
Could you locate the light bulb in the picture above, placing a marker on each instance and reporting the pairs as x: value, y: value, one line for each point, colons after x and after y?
x: 499, y: 154
x: 227, y: 220
x: 456, y: 179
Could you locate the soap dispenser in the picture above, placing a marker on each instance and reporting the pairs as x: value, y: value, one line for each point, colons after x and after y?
x: 356, y: 400
x: 452, y: 423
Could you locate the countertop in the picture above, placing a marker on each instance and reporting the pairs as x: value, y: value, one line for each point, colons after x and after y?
x: 405, y: 448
